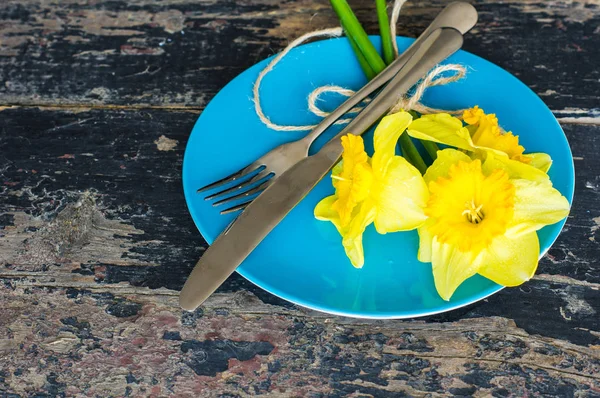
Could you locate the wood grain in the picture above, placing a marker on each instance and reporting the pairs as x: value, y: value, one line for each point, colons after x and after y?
x: 180, y: 53
x: 97, y: 103
x: 143, y: 345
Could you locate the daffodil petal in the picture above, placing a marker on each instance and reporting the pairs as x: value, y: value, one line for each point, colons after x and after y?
x: 324, y: 211
x: 483, y: 150
x: 403, y: 197
x: 352, y: 239
x: 510, y: 262
x: 514, y: 168
x: 425, y: 242
x: 537, y: 204
x: 451, y: 267
x: 441, y: 165
x: 442, y: 128
x: 386, y: 136
x: 541, y: 161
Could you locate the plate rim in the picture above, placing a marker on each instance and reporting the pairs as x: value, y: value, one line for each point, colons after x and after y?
x: 366, y: 314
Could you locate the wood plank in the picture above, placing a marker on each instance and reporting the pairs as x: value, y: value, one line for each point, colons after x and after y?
x: 89, y: 201
x: 180, y: 53
x: 100, y: 344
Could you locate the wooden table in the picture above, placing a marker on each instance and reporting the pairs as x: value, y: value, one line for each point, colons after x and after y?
x: 98, y: 100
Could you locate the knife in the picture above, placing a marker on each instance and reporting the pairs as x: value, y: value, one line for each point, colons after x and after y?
x: 259, y: 218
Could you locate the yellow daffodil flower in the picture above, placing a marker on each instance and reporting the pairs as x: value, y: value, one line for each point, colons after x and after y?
x: 484, y: 139
x: 385, y: 190
x: 483, y: 221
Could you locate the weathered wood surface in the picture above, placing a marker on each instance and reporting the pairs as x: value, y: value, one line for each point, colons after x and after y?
x: 98, y: 100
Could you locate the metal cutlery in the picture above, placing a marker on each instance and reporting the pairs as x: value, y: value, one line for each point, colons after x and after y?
x: 263, y: 213
x: 257, y: 176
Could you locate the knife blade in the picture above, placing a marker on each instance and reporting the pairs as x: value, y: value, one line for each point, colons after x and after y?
x: 259, y: 218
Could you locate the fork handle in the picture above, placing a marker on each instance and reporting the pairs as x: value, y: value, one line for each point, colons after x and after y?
x: 458, y: 15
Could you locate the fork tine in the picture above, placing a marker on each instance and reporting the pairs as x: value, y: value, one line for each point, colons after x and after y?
x: 230, y: 178
x: 259, y: 188
x: 262, y: 174
x: 240, y: 206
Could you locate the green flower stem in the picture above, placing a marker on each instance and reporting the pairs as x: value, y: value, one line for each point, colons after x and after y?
x: 408, y: 147
x: 384, y: 31
x: 355, y: 30
x: 364, y: 64
x: 356, y: 33
x: 431, y: 148
x: 410, y: 153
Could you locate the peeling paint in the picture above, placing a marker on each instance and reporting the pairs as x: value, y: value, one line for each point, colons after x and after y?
x: 577, y: 305
x: 596, y: 225
x: 79, y: 234
x: 263, y: 352
x: 165, y: 144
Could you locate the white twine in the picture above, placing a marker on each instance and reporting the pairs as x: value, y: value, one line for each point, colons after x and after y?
x: 393, y: 23
x: 433, y: 78
x: 316, y: 93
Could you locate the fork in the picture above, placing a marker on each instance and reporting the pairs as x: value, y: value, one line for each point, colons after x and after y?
x: 263, y: 171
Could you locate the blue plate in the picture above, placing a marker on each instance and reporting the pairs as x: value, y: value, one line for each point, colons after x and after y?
x: 302, y: 259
